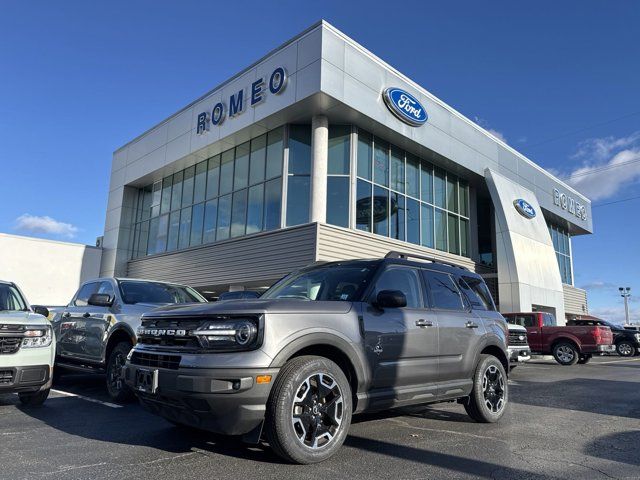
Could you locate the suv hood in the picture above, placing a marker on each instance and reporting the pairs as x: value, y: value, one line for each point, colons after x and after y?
x: 22, y: 318
x: 516, y: 328
x: 253, y: 306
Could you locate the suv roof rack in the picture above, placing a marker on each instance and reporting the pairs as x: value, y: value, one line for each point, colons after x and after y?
x: 405, y: 255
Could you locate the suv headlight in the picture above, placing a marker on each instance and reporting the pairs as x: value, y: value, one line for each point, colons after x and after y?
x: 239, y: 334
x: 37, y: 337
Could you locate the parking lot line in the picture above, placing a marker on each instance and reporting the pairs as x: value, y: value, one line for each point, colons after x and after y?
x: 88, y: 399
x: 618, y: 361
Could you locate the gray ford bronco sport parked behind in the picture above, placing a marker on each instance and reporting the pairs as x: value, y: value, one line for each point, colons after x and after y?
x: 321, y: 344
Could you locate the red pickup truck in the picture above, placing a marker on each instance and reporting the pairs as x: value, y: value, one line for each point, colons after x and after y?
x: 567, y: 344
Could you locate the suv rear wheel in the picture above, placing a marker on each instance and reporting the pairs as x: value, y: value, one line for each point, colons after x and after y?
x: 625, y: 349
x: 309, y: 410
x: 490, y: 392
x: 566, y: 353
x: 116, y: 387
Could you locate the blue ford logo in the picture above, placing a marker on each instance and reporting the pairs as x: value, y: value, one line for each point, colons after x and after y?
x: 524, y: 208
x: 405, y: 106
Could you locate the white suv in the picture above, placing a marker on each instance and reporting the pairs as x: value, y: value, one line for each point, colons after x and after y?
x: 27, y: 349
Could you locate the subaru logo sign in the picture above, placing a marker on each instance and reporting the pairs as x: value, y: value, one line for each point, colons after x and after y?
x: 524, y: 208
x: 405, y: 106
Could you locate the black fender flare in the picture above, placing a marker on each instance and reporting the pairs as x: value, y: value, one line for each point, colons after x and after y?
x: 117, y: 328
x: 358, y: 362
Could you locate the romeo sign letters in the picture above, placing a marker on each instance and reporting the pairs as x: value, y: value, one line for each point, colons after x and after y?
x: 569, y: 204
x: 252, y: 95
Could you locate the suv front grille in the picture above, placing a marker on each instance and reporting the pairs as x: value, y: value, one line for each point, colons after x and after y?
x: 518, y: 339
x: 10, y: 338
x: 155, y: 361
x: 9, y: 344
x: 6, y: 377
x: 162, y: 339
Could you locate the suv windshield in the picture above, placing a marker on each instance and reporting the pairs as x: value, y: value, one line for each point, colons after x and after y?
x: 10, y: 299
x: 332, y: 282
x: 155, y: 292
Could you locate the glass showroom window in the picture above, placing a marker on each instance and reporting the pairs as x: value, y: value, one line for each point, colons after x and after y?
x: 398, y: 195
x: 338, y: 179
x: 298, y: 178
x: 562, y: 246
x: 229, y: 195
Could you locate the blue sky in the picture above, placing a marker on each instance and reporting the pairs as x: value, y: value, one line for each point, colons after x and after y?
x: 558, y: 80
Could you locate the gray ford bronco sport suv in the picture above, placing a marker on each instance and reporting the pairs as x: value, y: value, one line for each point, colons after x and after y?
x: 321, y: 344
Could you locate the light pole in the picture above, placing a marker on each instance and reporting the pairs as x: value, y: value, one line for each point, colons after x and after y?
x: 625, y: 293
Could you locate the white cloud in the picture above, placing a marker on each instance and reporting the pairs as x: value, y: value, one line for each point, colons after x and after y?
x: 609, y: 165
x: 615, y: 314
x: 484, y: 124
x: 598, y: 285
x: 47, y: 225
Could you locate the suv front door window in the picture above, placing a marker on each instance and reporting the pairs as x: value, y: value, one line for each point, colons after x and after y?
x: 401, y: 343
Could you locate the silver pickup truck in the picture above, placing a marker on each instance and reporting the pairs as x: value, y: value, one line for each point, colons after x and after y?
x: 98, y: 328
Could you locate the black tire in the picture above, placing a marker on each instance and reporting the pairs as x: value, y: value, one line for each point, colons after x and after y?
x: 566, y: 353
x: 625, y: 348
x: 315, y: 382
x: 584, y: 359
x: 34, y: 399
x: 118, y: 390
x: 490, y: 395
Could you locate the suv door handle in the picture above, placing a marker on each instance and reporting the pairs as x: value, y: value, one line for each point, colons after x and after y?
x: 424, y: 323
x: 86, y: 314
x: 471, y: 324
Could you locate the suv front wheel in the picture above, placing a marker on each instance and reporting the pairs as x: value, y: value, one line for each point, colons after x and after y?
x: 309, y: 410
x: 490, y: 393
x: 116, y: 387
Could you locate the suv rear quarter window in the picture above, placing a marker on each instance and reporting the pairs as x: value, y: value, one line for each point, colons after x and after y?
x: 477, y: 293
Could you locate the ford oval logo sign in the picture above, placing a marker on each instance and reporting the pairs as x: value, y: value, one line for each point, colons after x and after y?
x: 524, y: 208
x: 405, y: 106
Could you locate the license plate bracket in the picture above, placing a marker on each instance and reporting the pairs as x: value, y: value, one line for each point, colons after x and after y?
x: 146, y: 380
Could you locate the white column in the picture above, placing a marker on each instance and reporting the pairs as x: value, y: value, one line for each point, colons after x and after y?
x: 319, y: 164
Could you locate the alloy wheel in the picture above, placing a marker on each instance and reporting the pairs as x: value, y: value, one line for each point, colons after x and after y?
x: 493, y: 389
x: 625, y: 349
x: 565, y: 354
x: 115, y: 373
x: 317, y: 411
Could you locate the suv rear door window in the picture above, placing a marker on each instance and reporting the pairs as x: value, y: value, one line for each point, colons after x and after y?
x: 406, y: 280
x: 444, y: 293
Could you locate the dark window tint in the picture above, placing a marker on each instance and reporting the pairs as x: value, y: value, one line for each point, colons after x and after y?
x: 155, y: 292
x: 404, y: 279
x: 443, y: 290
x: 522, y: 320
x: 478, y: 293
x: 85, y: 292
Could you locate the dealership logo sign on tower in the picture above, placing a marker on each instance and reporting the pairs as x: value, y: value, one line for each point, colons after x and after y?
x: 255, y: 94
x: 524, y: 208
x: 405, y: 106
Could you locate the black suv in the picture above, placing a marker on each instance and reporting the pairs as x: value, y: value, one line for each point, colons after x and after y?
x: 627, y: 341
x: 321, y: 344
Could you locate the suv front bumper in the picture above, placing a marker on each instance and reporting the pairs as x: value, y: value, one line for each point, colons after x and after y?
x: 25, y: 379
x: 519, y: 354
x: 228, y: 401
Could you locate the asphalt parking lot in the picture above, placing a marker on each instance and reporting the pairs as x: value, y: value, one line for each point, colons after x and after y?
x: 580, y: 422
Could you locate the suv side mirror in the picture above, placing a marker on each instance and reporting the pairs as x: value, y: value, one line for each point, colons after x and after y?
x: 100, y: 300
x: 391, y: 299
x: 40, y: 310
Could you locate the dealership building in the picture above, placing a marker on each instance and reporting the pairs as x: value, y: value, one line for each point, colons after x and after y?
x: 321, y: 151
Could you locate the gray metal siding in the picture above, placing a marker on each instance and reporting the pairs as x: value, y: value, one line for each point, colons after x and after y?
x: 575, y: 300
x: 261, y: 257
x: 336, y: 243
